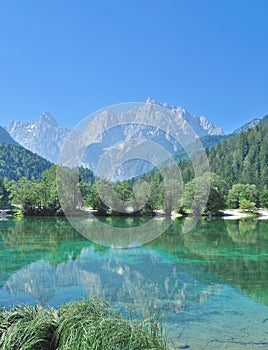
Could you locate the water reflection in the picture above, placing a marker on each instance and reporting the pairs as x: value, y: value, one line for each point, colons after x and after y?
x: 204, y: 282
x: 45, y: 259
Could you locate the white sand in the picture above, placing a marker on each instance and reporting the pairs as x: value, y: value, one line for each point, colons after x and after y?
x: 234, y: 214
x: 263, y: 214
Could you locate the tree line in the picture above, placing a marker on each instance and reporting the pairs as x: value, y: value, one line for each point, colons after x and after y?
x: 238, y: 179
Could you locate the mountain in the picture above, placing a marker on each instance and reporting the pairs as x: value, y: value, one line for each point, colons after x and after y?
x: 252, y: 124
x: 16, y: 162
x: 6, y: 138
x: 200, y: 124
x: 247, y: 126
x: 115, y: 131
x: 43, y: 136
x: 264, y: 120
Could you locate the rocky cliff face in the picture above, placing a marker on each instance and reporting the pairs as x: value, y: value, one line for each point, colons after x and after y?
x: 170, y: 127
x: 43, y: 136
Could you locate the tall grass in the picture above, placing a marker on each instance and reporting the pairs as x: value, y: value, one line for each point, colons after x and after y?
x: 83, y: 325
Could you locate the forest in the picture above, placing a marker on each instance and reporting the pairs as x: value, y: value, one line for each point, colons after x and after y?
x: 17, y: 162
x: 237, y: 179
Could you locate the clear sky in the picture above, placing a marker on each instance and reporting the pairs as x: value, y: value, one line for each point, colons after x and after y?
x: 73, y: 57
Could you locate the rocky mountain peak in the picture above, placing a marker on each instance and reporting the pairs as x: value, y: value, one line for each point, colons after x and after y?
x: 46, y: 118
x: 45, y: 136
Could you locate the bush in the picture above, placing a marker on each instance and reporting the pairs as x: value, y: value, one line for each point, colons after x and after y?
x: 247, y: 205
x: 264, y: 199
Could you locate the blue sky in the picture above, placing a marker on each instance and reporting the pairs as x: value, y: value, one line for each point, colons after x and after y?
x: 73, y: 57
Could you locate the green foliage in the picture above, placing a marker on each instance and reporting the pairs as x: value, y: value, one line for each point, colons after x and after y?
x: 205, y: 194
x: 37, y: 197
x: 27, y: 327
x: 171, y: 193
x: 155, y: 200
x: 243, y: 159
x: 246, y: 204
x: 239, y: 160
x: 123, y: 191
x: 104, y: 195
x: 264, y: 199
x: 40, y: 197
x: 2, y: 190
x: 234, y: 196
x: 86, y: 176
x: 68, y: 183
x: 17, y: 162
x: 242, y: 194
x: 79, y: 325
x: 94, y: 200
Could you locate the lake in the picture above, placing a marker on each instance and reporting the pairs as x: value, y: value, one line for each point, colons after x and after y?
x: 209, y: 286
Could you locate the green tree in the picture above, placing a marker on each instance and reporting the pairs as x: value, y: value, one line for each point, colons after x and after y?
x: 242, y: 193
x: 26, y: 194
x: 94, y: 200
x: 234, y: 196
x: 205, y: 195
x: 264, y: 199
x: 123, y: 191
x: 1, y: 192
x: 247, y: 205
x: 171, y: 191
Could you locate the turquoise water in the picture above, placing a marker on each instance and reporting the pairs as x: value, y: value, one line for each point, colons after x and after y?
x: 210, y: 286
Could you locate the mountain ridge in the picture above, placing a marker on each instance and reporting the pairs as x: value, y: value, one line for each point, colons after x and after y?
x: 6, y: 138
x: 45, y: 136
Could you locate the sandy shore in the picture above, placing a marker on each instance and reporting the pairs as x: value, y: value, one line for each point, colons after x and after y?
x: 173, y: 216
x: 234, y: 214
x: 263, y: 214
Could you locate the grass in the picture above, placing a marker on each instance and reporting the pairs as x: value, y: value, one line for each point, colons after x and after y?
x: 90, y: 324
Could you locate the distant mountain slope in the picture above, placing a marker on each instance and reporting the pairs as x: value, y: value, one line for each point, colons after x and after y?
x: 264, y: 120
x: 6, y: 138
x: 208, y: 142
x: 247, y: 126
x: 244, y: 158
x: 167, y: 126
x: 16, y: 162
x: 43, y: 136
x: 252, y: 124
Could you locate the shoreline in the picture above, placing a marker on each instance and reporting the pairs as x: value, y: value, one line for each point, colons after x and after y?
x: 227, y: 214
x: 235, y: 214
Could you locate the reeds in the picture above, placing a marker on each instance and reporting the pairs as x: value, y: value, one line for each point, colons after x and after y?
x: 90, y: 324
